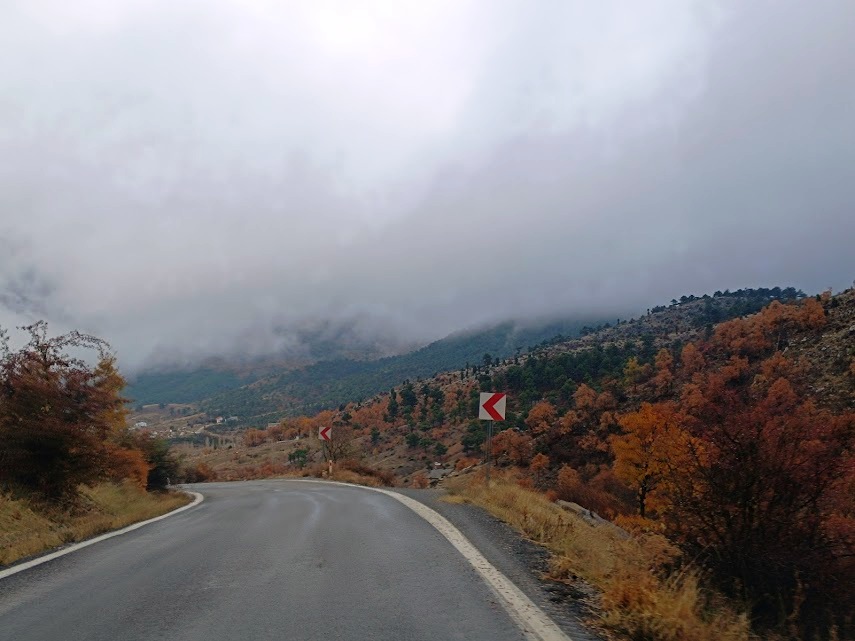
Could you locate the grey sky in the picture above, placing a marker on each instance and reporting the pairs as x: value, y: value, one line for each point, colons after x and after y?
x: 197, y: 177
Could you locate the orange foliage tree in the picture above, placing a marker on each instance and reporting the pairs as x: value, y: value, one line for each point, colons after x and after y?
x: 539, y: 464
x: 635, y: 373
x: 584, y: 398
x: 691, y: 359
x: 645, y: 451
x: 515, y: 446
x: 664, y: 377
x: 254, y: 438
x: 130, y: 464
x: 541, y: 417
x: 758, y: 487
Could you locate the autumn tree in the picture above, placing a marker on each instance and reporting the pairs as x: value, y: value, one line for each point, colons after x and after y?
x: 585, y: 398
x: 691, y: 359
x: 126, y: 464
x: 57, y: 413
x: 567, y: 423
x: 340, y: 445
x: 541, y: 417
x: 539, y: 464
x: 644, y: 452
x: 635, y: 373
x: 664, y: 377
x: 515, y: 446
x: 163, y: 466
x: 254, y: 438
x: 277, y: 432
x: 126, y: 455
x: 758, y: 490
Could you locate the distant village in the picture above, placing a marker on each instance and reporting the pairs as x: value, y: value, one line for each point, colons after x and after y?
x: 172, y: 422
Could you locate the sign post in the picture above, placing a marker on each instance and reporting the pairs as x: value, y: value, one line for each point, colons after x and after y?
x: 325, y: 435
x: 491, y: 408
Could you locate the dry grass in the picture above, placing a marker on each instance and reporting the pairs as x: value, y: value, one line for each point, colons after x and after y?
x: 350, y: 472
x: 640, y: 595
x: 28, y: 528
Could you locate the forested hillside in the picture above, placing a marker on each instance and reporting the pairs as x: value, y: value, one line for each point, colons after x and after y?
x: 328, y: 384
x: 267, y: 393
x: 183, y: 386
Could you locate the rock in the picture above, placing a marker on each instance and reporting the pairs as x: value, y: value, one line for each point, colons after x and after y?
x: 592, y: 518
x: 436, y: 475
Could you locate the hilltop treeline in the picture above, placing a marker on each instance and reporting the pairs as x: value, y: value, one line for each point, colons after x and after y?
x: 63, y: 421
x: 327, y: 384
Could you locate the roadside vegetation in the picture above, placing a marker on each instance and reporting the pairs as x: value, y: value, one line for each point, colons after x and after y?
x: 646, y: 589
x: 69, y: 466
x: 30, y: 527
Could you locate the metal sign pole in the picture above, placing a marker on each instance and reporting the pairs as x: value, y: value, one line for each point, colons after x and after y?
x: 489, y: 449
x: 491, y: 407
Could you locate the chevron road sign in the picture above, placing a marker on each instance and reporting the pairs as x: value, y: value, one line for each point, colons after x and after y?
x: 492, y: 406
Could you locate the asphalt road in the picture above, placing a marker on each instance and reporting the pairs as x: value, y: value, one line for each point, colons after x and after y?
x: 261, y: 560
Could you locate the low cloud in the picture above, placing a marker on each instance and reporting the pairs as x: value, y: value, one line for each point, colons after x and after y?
x: 215, y: 178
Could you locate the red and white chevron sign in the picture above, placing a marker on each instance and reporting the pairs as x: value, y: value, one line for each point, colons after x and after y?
x: 325, y: 433
x: 492, y: 407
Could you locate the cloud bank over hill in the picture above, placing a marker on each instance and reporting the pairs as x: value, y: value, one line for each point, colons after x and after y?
x: 200, y: 178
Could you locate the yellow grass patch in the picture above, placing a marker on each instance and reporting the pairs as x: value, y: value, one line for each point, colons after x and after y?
x: 28, y: 528
x: 639, y: 596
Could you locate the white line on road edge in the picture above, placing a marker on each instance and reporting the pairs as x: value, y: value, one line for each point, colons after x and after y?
x: 534, y: 622
x: 197, y: 498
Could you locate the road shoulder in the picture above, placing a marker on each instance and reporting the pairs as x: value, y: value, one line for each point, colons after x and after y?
x: 521, y: 560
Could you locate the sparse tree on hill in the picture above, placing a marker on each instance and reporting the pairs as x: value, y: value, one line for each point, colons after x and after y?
x: 340, y: 445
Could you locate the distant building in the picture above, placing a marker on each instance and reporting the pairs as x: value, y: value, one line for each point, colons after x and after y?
x: 141, y: 424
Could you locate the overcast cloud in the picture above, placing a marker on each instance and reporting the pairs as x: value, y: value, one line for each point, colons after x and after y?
x: 201, y: 177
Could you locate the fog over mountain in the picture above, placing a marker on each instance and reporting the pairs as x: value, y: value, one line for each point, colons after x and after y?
x: 195, y: 178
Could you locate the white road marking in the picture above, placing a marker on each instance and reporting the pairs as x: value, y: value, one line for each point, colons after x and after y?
x: 534, y: 622
x: 197, y: 498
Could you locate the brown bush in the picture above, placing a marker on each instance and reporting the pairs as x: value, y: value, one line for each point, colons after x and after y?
x: 592, y: 495
x: 128, y: 464
x: 317, y: 470
x: 199, y: 473
x: 463, y: 463
x: 420, y: 481
x: 385, y: 477
x: 526, y: 482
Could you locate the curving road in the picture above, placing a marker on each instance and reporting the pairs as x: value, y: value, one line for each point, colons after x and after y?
x: 262, y: 560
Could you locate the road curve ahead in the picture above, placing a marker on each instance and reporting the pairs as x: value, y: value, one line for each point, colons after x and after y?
x: 261, y: 560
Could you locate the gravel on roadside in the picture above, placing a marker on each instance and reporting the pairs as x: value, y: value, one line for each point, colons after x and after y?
x: 521, y: 560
